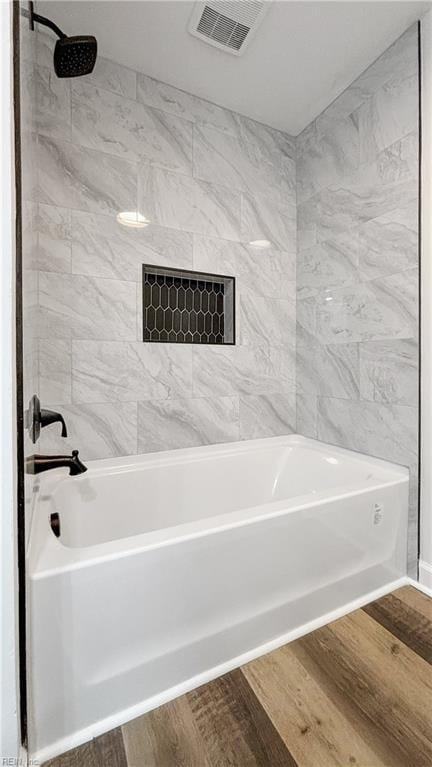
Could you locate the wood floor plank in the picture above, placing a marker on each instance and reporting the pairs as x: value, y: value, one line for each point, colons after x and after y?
x: 165, y: 737
x: 399, y: 618
x: 415, y: 599
x: 234, y: 727
x: 384, y: 681
x: 105, y: 751
x: 353, y: 716
x: 315, y: 729
x: 110, y: 750
x: 82, y: 756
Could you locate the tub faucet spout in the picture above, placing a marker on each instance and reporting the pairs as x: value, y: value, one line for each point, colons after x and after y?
x: 35, y: 464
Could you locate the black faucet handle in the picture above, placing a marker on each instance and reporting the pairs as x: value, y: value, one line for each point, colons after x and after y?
x: 50, y: 416
x: 36, y: 419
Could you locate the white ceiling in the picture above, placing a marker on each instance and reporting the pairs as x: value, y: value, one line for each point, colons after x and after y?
x: 304, y: 53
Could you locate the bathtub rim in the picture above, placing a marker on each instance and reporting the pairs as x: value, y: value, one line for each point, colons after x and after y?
x: 48, y: 555
x: 123, y: 464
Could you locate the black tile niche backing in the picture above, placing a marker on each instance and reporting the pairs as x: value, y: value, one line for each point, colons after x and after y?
x: 185, y: 307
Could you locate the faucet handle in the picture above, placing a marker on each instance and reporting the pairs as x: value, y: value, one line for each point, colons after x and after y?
x: 36, y: 419
x: 50, y: 416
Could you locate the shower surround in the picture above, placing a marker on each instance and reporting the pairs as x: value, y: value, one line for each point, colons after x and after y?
x: 211, y: 181
x: 357, y: 267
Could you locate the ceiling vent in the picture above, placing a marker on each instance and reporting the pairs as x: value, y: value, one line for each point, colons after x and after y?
x: 228, y: 26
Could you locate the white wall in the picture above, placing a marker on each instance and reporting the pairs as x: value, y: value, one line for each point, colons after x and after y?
x: 9, y: 728
x: 425, y: 570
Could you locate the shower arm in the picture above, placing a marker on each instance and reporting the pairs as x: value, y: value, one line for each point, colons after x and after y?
x: 35, y: 17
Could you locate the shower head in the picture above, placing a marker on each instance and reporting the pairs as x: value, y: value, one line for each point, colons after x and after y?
x: 73, y: 56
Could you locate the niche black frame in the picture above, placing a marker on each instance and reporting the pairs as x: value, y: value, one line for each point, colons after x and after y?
x: 195, y: 275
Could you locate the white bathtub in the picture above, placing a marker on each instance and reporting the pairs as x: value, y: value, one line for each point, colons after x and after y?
x: 174, y: 567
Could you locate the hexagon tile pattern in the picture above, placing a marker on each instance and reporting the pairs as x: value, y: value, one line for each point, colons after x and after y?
x: 184, y: 307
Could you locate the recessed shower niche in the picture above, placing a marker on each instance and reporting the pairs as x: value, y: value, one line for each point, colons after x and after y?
x: 186, y: 307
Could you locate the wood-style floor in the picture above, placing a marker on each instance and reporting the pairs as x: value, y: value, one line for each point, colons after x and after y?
x: 356, y: 692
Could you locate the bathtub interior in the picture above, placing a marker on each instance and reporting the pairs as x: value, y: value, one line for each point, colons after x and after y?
x: 121, y: 499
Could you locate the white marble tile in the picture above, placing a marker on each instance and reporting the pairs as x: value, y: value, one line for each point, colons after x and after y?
x: 389, y: 243
x: 116, y: 371
x: 388, y: 183
x: 27, y: 93
x: 261, y: 272
x: 306, y: 224
x: 174, y: 200
x: 306, y: 320
x: 389, y: 115
x: 29, y: 164
x: 399, y: 59
x: 277, y: 143
x: 288, y: 180
x: 264, y: 218
x: 326, y: 158
x: 30, y: 360
x: 55, y: 376
x: 307, y: 183
x: 342, y: 209
x: 72, y: 306
x: 29, y: 241
x: 306, y: 412
x: 329, y: 264
x: 267, y: 415
x: 172, y: 424
x: 379, y: 309
x: 400, y: 160
x: 30, y: 291
x: 53, y: 104
x: 383, y: 430
x: 84, y: 179
x: 267, y: 321
x: 114, y: 77
x: 104, y: 248
x: 45, y: 44
x: 331, y: 371
x: 123, y: 127
x: 98, y: 431
x: 224, y: 159
x: 54, y: 252
x: 219, y: 371
x: 174, y: 101
x: 283, y: 364
x: 389, y: 371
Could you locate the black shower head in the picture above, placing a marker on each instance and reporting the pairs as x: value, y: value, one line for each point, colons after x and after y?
x: 75, y: 56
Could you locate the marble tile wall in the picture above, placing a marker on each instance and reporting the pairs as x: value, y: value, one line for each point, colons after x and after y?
x: 210, y: 181
x: 357, y: 267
